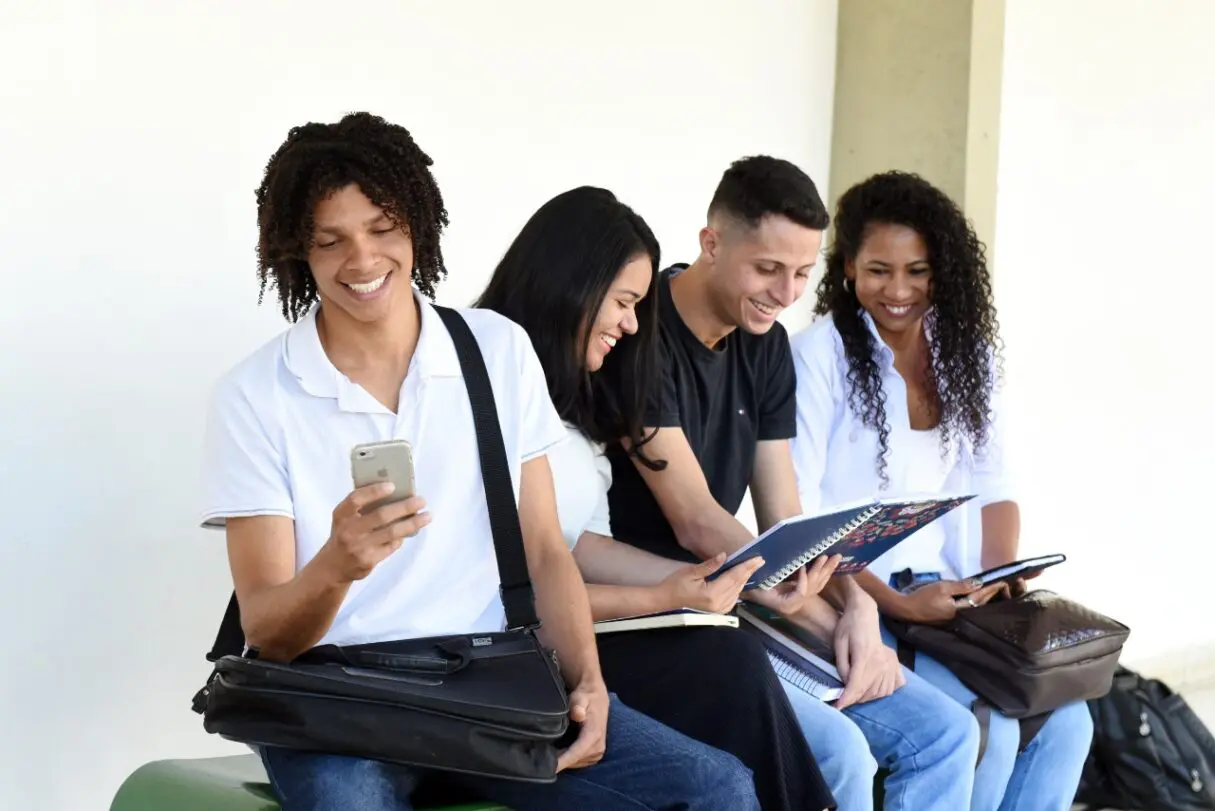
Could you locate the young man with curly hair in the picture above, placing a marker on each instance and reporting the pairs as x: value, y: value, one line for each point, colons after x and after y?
x: 898, y: 389
x: 349, y: 220
x: 724, y: 413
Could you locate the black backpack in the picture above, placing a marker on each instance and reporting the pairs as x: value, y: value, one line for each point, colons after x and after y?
x: 1150, y: 752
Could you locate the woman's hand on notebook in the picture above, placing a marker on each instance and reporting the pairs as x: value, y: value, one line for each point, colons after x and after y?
x: 686, y: 587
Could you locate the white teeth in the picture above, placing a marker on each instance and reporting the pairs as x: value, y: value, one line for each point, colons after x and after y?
x: 898, y: 310
x: 609, y: 340
x: 763, y: 308
x: 369, y: 287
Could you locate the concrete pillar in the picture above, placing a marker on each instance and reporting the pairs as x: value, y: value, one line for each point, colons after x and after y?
x: 917, y: 88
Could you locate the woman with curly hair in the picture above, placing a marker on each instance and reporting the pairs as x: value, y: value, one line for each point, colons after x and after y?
x: 898, y: 393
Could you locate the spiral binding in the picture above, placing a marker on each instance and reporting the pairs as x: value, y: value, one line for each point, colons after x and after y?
x: 773, y: 580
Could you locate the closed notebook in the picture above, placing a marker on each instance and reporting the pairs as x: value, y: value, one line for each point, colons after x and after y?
x: 798, y: 656
x: 678, y: 618
x: 859, y: 533
x: 1020, y: 568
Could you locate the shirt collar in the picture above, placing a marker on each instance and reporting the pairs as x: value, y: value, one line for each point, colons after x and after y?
x: 885, y: 352
x: 434, y: 355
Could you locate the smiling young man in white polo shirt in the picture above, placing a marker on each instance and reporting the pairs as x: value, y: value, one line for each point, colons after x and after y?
x: 349, y: 220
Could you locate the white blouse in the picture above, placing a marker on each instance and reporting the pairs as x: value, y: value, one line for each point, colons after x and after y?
x: 582, y: 476
x: 835, y: 456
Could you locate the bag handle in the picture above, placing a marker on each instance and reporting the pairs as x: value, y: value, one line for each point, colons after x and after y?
x: 518, y: 598
x: 516, y: 591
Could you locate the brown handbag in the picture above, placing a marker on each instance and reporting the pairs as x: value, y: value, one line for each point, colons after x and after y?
x: 1025, y: 656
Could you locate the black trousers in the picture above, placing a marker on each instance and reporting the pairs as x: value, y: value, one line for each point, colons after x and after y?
x: 717, y: 686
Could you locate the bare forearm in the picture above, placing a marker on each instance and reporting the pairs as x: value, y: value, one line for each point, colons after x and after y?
x: 889, y: 601
x: 565, y: 615
x: 1001, y: 533
x: 709, y: 530
x: 614, y: 602
x: 284, y: 621
x: 843, y: 592
x: 818, y: 617
x: 607, y: 561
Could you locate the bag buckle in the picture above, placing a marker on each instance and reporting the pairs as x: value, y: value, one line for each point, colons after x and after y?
x: 520, y: 603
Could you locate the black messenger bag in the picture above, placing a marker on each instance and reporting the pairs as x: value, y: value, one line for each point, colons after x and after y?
x: 485, y: 704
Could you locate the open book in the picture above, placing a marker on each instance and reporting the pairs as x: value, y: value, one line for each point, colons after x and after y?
x: 798, y: 656
x: 860, y: 533
x: 679, y: 618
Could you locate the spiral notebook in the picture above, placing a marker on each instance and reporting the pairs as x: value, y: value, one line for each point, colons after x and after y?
x: 797, y: 656
x: 860, y: 533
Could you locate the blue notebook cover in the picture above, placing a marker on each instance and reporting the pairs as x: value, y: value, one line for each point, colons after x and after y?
x: 860, y: 533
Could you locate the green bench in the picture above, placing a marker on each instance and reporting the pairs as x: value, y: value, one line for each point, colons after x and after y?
x: 235, y: 783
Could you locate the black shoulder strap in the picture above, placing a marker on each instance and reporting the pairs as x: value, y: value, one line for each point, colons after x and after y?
x: 516, y: 589
x: 516, y: 586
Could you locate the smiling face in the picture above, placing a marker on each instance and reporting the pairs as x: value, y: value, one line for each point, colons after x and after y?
x: 758, y: 272
x: 617, y: 314
x: 892, y: 276
x: 360, y: 259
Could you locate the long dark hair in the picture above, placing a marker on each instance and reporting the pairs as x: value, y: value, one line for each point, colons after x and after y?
x: 965, y: 331
x: 553, y: 280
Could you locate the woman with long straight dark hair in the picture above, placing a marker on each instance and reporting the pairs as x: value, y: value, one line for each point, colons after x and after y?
x: 581, y: 278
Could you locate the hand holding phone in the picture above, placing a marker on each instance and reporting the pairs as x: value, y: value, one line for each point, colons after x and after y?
x: 372, y: 522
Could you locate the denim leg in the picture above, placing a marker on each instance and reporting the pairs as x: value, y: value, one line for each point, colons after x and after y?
x: 647, y: 767
x: 1047, y: 773
x: 839, y: 747
x: 1003, y: 736
x: 305, y: 781
x: 928, y: 742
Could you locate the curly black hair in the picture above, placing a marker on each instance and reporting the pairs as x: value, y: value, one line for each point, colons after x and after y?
x: 965, y: 339
x: 319, y: 159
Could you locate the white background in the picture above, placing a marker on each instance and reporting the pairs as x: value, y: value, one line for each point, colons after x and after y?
x: 1105, y: 282
x: 130, y: 145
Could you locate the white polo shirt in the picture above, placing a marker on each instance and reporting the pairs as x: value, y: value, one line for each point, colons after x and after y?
x: 280, y: 430
x: 835, y: 456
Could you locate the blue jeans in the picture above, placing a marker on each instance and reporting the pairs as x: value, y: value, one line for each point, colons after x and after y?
x: 647, y: 767
x: 927, y: 742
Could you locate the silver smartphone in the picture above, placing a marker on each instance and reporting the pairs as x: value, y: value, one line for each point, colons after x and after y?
x: 388, y: 461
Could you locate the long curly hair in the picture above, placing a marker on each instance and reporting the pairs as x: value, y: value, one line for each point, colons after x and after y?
x: 317, y: 160
x: 965, y: 348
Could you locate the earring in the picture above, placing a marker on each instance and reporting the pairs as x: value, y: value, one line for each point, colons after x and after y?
x: 846, y: 288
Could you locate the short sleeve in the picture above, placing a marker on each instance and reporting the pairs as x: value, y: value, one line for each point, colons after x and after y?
x: 815, y: 408
x: 243, y: 471
x: 540, y: 426
x: 993, y: 473
x: 601, y: 523
x: 777, y: 415
x: 662, y: 402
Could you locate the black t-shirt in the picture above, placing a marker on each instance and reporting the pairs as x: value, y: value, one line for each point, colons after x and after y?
x: 725, y: 399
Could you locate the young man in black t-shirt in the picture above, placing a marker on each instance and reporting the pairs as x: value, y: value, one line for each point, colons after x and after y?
x: 723, y: 410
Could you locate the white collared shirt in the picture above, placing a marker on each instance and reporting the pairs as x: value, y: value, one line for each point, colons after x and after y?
x: 835, y: 456
x: 280, y: 430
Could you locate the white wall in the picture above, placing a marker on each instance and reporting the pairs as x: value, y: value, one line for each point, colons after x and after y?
x: 130, y: 145
x: 1104, y: 279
